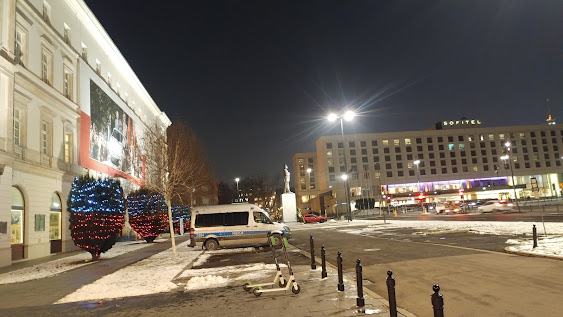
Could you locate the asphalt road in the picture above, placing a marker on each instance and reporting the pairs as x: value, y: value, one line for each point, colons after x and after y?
x: 475, y: 276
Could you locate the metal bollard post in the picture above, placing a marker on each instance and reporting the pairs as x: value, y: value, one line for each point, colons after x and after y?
x: 437, y: 301
x: 360, y: 300
x: 313, y: 263
x: 340, y: 277
x: 391, y: 292
x: 535, y: 235
x: 323, y: 259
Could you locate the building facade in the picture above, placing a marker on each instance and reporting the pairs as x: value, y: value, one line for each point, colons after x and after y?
x: 453, y: 159
x: 69, y: 104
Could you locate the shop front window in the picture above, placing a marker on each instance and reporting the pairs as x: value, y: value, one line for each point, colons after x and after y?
x: 17, y: 221
x: 55, y: 217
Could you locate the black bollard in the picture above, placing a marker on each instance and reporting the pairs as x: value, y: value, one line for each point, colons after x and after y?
x: 391, y: 292
x: 360, y: 300
x: 340, y: 277
x: 535, y: 235
x: 437, y: 301
x: 313, y: 262
x: 323, y: 259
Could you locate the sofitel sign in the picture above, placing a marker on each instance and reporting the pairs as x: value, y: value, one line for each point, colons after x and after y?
x: 461, y: 122
x: 458, y: 124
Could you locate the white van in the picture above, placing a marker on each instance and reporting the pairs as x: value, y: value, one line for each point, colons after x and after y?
x: 239, y: 224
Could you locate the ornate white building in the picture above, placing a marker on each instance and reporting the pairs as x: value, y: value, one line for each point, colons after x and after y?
x: 69, y: 104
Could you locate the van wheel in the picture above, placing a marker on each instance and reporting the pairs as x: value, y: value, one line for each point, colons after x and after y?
x: 211, y: 244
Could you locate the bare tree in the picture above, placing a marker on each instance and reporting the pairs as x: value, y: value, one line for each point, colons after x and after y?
x: 176, y: 165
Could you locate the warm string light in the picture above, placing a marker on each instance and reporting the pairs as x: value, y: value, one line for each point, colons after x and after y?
x: 97, y: 211
x: 147, y: 213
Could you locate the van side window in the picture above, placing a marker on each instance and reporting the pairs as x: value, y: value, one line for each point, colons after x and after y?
x: 222, y: 219
x: 261, y: 218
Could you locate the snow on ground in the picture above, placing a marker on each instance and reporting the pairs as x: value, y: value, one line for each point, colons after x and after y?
x: 148, y: 276
x: 58, y: 266
x: 215, y: 277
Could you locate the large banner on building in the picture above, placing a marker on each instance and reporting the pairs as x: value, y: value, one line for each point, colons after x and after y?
x: 109, y: 130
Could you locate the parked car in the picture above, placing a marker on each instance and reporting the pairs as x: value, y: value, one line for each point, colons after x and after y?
x: 313, y: 218
x: 446, y: 208
x: 494, y: 205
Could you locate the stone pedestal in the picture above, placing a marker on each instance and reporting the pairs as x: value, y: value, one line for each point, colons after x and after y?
x: 289, y: 205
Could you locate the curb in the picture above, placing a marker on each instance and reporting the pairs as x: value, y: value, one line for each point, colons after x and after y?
x: 369, y: 292
x: 531, y: 255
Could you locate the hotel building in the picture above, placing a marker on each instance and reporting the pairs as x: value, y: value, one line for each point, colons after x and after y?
x: 70, y: 104
x: 450, y: 160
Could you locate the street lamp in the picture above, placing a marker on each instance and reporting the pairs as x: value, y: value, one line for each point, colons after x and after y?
x: 417, y: 162
x: 309, y: 170
x: 507, y: 144
x: 237, y: 180
x: 348, y: 116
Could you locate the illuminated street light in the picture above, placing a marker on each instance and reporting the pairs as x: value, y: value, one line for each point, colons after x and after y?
x: 309, y: 170
x: 348, y: 116
x: 237, y: 180
x: 507, y: 144
x: 417, y: 162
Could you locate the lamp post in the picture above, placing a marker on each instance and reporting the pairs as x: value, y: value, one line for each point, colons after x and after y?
x: 309, y: 170
x: 417, y: 162
x: 348, y: 116
x: 237, y: 180
x: 507, y: 144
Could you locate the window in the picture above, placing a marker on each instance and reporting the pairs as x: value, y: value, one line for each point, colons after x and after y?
x: 17, y: 127
x: 46, y: 12
x: 398, y: 157
x: 431, y: 148
x: 491, y: 137
x: 374, y: 143
x: 400, y: 173
x: 46, y: 66
x: 440, y: 139
x: 470, y: 138
x: 386, y: 150
x: 463, y: 161
x: 388, y: 166
x: 432, y: 171
x: 329, y: 145
x: 465, y: 169
x: 397, y: 149
x: 351, y: 144
x: 332, y: 178
x: 411, y: 172
x: 387, y: 158
x: 364, y: 152
x: 442, y: 162
x: 68, y: 147
x: 385, y: 142
x: 67, y: 84
x: 55, y: 217
x: 451, y: 146
x: 376, y: 158
x: 419, y: 148
x: 453, y: 162
x: 542, y: 133
x: 331, y: 169
x: 409, y: 149
x: 20, y: 47
x: 418, y: 140
x: 66, y: 34
x: 44, y: 135
x: 17, y: 215
x: 428, y: 140
x: 475, y: 168
x: 340, y: 145
x: 352, y: 152
x: 222, y: 219
x: 533, y: 134
x: 98, y: 67
x: 485, y: 168
x: 353, y: 160
x: 462, y: 146
x: 408, y: 141
x: 450, y: 139
x: 399, y: 165
x: 442, y: 155
x: 363, y: 143
x: 441, y: 147
x: 364, y: 159
x: 454, y: 169
x: 389, y: 174
x: 396, y: 142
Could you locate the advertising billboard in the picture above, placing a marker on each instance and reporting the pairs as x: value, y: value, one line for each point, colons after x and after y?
x: 110, y: 131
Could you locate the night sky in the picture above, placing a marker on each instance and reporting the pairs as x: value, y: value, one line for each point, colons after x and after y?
x: 256, y: 79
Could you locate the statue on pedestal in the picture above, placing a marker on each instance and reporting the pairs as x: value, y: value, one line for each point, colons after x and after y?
x: 286, y: 179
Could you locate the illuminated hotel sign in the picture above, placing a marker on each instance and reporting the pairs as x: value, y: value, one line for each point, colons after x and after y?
x: 461, y: 123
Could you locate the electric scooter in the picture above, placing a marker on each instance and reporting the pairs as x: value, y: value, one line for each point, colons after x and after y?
x: 278, y: 279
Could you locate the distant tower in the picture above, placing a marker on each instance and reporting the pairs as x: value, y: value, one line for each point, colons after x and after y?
x: 550, y: 120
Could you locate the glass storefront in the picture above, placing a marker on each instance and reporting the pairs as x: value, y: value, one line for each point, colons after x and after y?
x: 17, y: 221
x: 55, y: 217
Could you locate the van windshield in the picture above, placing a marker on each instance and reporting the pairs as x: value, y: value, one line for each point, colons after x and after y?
x: 260, y: 217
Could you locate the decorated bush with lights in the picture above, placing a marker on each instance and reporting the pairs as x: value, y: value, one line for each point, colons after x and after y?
x: 148, y: 213
x: 97, y: 210
x: 181, y: 212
